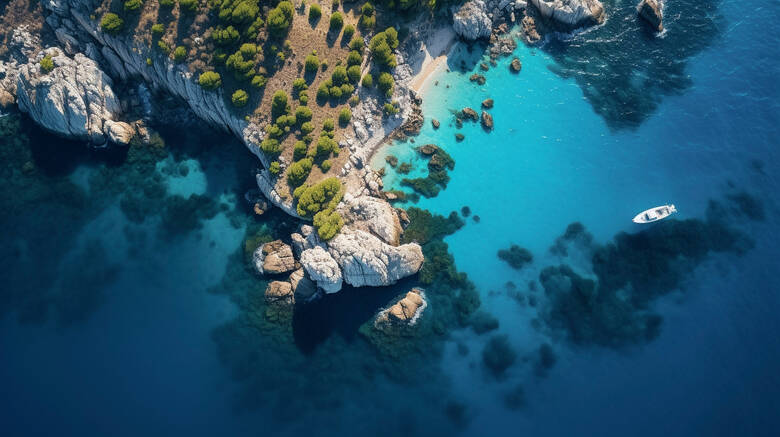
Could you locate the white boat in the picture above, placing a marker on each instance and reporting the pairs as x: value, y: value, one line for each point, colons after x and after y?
x: 655, y: 214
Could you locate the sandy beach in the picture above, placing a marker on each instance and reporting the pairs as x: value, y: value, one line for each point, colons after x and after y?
x: 436, y: 48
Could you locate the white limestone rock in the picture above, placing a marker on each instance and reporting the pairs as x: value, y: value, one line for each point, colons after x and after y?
x: 571, y: 14
x: 372, y: 215
x: 74, y: 100
x: 322, y: 269
x: 471, y: 21
x: 365, y: 260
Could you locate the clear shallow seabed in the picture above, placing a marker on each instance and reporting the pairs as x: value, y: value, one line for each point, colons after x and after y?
x: 133, y: 342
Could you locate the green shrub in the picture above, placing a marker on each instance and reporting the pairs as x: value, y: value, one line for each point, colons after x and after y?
x: 347, y: 89
x: 344, y: 116
x: 299, y: 171
x: 279, y: 103
x: 248, y: 50
x: 307, y: 128
x: 328, y: 223
x: 353, y: 73
x: 367, y: 9
x: 244, y: 12
x: 163, y: 46
x: 210, y: 80
x: 320, y: 197
x: 349, y: 31
x: 312, y: 63
x: 259, y: 81
x: 368, y: 80
x: 354, y: 58
x: 167, y: 3
x: 111, y: 23
x: 326, y: 165
x: 391, y: 35
x: 188, y: 6
x: 328, y: 125
x: 299, y: 84
x: 239, y: 98
x: 323, y: 92
x: 271, y: 146
x: 390, y: 109
x: 382, y: 52
x: 326, y: 146
x: 303, y: 98
x: 133, y: 5
x: 225, y: 36
x: 274, y: 131
x: 353, y: 101
x: 280, y: 18
x: 315, y: 12
x: 336, y: 21
x: 158, y: 29
x: 47, y: 64
x: 386, y: 83
x: 299, y: 150
x: 367, y: 18
x: 357, y: 44
x: 335, y: 4
x: 275, y: 168
x: 303, y: 114
x: 179, y: 54
x: 339, y: 75
x: 335, y: 93
x: 148, y: 61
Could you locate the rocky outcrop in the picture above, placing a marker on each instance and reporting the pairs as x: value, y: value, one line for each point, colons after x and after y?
x: 367, y: 261
x: 651, y: 11
x: 322, y: 269
x: 74, y: 99
x: 487, y: 103
x: 471, y: 21
x: 571, y: 14
x: 487, y: 120
x: 274, y: 258
x: 304, y: 289
x: 407, y: 310
x: 516, y: 65
x: 371, y: 215
x: 279, y: 291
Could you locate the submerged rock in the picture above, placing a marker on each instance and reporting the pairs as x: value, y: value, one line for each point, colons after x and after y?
x: 487, y: 103
x: 516, y: 65
x: 571, y: 14
x: 279, y: 291
x: 471, y: 21
x: 274, y: 258
x: 469, y: 114
x: 304, y: 289
x: 652, y: 13
x: 435, y: 123
x: 407, y: 310
x: 487, y: 120
x: 529, y: 30
x: 478, y: 78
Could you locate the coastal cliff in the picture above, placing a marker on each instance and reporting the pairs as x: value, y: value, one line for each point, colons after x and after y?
x: 364, y: 254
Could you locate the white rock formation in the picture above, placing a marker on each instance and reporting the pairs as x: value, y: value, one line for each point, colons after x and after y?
x: 571, y: 14
x: 75, y: 99
x: 322, y: 269
x: 471, y: 21
x: 371, y: 215
x: 365, y: 260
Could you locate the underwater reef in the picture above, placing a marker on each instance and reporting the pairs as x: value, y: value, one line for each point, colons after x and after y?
x: 636, y: 68
x: 614, y: 309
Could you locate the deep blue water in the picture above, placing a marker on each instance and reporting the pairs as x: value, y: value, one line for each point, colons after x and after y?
x: 108, y: 326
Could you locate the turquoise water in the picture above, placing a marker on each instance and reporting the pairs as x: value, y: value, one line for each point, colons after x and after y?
x: 115, y: 325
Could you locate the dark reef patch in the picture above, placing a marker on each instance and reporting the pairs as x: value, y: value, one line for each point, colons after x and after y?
x: 498, y: 355
x: 516, y: 256
x: 439, y: 163
x: 631, y: 273
x: 635, y: 68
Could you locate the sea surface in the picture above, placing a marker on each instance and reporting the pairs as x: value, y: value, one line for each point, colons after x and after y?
x: 126, y: 307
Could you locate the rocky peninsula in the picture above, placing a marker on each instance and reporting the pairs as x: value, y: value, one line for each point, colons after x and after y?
x: 68, y: 86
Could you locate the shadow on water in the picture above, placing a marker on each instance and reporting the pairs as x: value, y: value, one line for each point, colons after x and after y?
x: 624, y: 70
x: 340, y: 314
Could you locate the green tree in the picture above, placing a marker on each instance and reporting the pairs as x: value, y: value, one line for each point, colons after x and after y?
x: 299, y: 150
x: 271, y: 146
x: 312, y: 63
x: 336, y: 21
x: 339, y: 75
x: 320, y: 197
x: 179, y: 54
x: 353, y: 73
x: 299, y: 171
x: 158, y: 29
x: 279, y: 103
x: 354, y: 58
x: 391, y: 35
x: 275, y: 168
x: 210, y: 80
x: 328, y: 224
x: 259, y: 81
x: 315, y: 12
x: 368, y: 80
x: 133, y: 5
x: 344, y: 116
x: 299, y: 84
x: 225, y: 36
x: 303, y: 114
x: 386, y: 83
x: 349, y: 31
x: 280, y: 18
x: 326, y: 165
x: 239, y: 98
x: 111, y: 23
x: 188, y: 6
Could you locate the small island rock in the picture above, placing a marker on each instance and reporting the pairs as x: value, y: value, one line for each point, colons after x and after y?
x: 652, y: 13
x: 471, y: 21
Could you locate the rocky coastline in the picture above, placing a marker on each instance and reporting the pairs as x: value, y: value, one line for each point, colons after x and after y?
x: 75, y: 98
